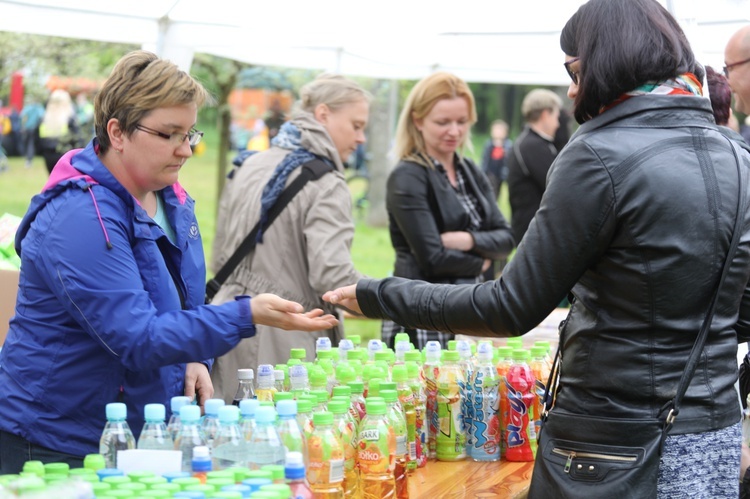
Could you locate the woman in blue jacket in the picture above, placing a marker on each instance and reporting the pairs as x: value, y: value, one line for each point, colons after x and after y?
x: 110, y: 300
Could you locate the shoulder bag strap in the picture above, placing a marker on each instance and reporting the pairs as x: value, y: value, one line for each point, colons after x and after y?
x: 312, y: 170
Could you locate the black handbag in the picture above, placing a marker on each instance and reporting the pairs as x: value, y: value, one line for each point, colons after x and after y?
x: 581, y: 456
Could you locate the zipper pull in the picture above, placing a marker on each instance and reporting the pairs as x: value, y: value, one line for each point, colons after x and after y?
x: 569, y: 462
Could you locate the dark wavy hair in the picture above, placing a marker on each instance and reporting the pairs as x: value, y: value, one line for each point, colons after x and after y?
x: 721, y: 95
x: 623, y: 45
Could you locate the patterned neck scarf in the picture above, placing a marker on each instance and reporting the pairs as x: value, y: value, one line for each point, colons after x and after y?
x: 684, y: 84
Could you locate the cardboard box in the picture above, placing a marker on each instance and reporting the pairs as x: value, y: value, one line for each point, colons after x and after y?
x: 8, y: 292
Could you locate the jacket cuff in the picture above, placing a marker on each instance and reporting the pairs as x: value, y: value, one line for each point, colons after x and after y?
x: 367, y: 297
x: 247, y: 328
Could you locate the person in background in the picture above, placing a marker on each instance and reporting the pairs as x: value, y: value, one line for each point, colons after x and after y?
x: 274, y: 119
x: 306, y: 250
x: 720, y: 95
x: 737, y: 68
x: 495, y: 154
x: 31, y: 117
x: 533, y: 154
x: 639, y: 229
x: 110, y: 297
x: 443, y: 218
x: 59, y: 121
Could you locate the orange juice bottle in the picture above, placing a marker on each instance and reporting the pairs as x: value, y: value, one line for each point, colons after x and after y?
x: 503, y: 366
x: 376, y: 451
x: 325, y: 471
x: 346, y: 429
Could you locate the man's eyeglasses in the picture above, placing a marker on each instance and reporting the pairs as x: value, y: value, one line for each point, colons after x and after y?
x: 194, y: 136
x: 730, y: 66
x: 573, y: 74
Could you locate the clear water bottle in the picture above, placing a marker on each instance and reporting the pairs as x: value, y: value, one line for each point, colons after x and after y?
x: 116, y: 435
x: 155, y: 435
x: 210, y: 424
x: 190, y: 435
x: 266, y: 381
x: 322, y: 343
x: 245, y: 389
x: 230, y: 448
x: 265, y: 446
x: 344, y: 346
x: 374, y: 346
x: 298, y: 380
x: 173, y: 427
x: 288, y: 428
x: 279, y: 380
x: 247, y: 414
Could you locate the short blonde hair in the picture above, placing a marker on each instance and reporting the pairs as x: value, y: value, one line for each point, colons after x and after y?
x: 139, y: 83
x: 538, y: 100
x: 333, y: 90
x: 422, y: 98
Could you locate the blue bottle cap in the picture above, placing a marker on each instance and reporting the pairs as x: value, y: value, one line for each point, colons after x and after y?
x: 229, y: 414
x: 294, y: 468
x: 212, y: 406
x: 190, y: 413
x: 171, y: 475
x: 189, y: 494
x: 176, y: 402
x: 116, y: 410
x: 245, y: 490
x: 105, y: 472
x: 256, y: 483
x: 286, y: 407
x: 154, y: 412
x: 265, y: 415
x: 248, y: 407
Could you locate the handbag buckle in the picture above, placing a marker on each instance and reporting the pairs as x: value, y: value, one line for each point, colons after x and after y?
x: 671, y: 417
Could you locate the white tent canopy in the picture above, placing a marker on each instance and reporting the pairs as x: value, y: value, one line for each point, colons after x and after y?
x: 479, y: 40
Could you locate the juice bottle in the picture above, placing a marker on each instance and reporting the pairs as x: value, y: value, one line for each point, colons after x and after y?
x: 325, y: 471
x: 466, y: 363
x: 505, y: 355
x: 430, y: 372
x: 451, y: 439
x: 347, y: 432
x: 375, y: 446
x: 519, y: 426
x: 304, y: 417
x: 485, y: 424
x: 400, y: 376
x: 420, y: 427
x: 298, y: 354
x: 358, y: 400
x: 398, y: 427
x: 266, y: 383
x: 540, y: 369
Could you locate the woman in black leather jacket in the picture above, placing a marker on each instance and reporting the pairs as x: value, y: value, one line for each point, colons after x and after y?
x: 442, y: 214
x: 636, y: 222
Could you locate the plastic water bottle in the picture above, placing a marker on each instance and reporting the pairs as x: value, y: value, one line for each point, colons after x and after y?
x: 288, y: 428
x: 116, y: 435
x: 451, y: 437
x: 325, y: 471
x: 374, y: 450
x: 397, y: 424
x: 247, y: 414
x: 279, y: 380
x: 298, y: 382
x: 344, y: 346
x: 230, y: 448
x: 322, y: 343
x: 245, y: 388
x: 210, y: 423
x: 265, y: 446
x: 266, y: 381
x: 430, y: 372
x: 155, y: 435
x: 190, y: 435
x: 294, y: 473
x: 520, y: 431
x: 401, y: 347
x: 201, y: 463
x: 173, y: 427
x: 485, y: 404
x: 374, y: 346
x: 346, y: 430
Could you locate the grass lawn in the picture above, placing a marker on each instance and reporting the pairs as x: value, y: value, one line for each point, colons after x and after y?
x: 372, y: 252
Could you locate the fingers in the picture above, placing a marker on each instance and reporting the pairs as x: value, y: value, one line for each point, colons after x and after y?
x: 190, y: 379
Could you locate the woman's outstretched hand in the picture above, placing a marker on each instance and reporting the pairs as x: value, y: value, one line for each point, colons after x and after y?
x: 272, y: 310
x: 345, y: 297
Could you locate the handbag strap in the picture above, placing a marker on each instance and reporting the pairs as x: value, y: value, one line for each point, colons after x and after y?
x: 673, y: 406
x: 312, y: 170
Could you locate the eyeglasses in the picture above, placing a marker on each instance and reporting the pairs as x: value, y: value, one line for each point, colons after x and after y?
x: 194, y: 136
x: 730, y: 66
x: 573, y: 74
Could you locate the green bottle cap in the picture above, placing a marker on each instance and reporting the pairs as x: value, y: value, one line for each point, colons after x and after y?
x: 298, y: 353
x: 208, y: 490
x: 399, y: 373
x: 342, y: 390
x: 134, y: 486
x: 304, y: 405
x: 218, y: 483
x: 116, y: 479
x: 357, y: 386
x: 515, y: 342
x: 414, y: 356
x: 121, y: 493
x: 169, y: 487
x: 382, y: 355
x: 56, y: 469
x: 373, y: 387
x: 281, y: 489
x: 345, y: 373
x: 452, y: 345
x: 260, y: 474
x: 543, y: 343
x: 186, y: 480
x: 276, y: 469
x: 356, y: 339
x: 293, y: 362
x: 266, y: 403
x: 390, y: 396
x: 375, y: 406
x: 137, y: 476
x: 35, y: 467
x: 505, y: 352
x: 521, y: 354
x: 412, y: 369
x: 79, y: 472
x: 220, y: 474
x: 240, y: 472
x: 322, y: 395
x: 323, y: 418
x: 153, y: 480
x: 537, y: 351
x: 451, y: 355
x: 326, y: 354
x: 227, y: 495
x: 388, y: 385
x: 282, y: 396
x: 153, y: 493
x: 336, y: 406
x: 100, y: 487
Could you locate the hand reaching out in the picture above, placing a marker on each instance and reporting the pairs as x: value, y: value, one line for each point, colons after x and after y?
x: 272, y: 310
x: 346, y: 297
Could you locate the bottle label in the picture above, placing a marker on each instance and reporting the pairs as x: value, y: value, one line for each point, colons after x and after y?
x: 451, y: 439
x: 520, y: 432
x: 485, y: 423
x: 337, y: 471
x: 375, y: 447
x: 324, y: 454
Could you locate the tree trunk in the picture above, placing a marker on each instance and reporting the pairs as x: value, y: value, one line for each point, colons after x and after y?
x: 380, y: 131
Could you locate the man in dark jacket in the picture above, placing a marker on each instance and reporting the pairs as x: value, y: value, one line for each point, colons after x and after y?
x: 533, y: 154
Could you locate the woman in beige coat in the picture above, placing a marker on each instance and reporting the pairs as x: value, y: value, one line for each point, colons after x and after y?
x: 306, y: 250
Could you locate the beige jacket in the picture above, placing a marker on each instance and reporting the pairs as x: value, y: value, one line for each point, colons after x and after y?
x: 304, y: 253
